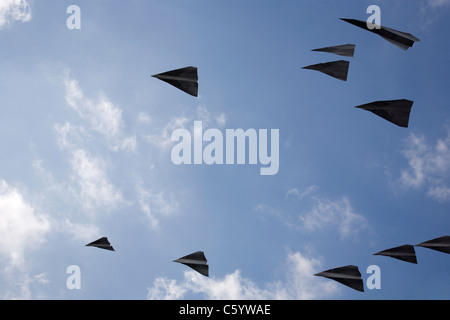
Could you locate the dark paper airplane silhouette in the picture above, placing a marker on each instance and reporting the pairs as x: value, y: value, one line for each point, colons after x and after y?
x: 347, y: 275
x: 405, y: 253
x: 395, y: 111
x: 346, y: 50
x: 196, y: 261
x: 441, y: 244
x: 336, y: 69
x: 185, y: 79
x: 101, y: 243
x: 401, y: 39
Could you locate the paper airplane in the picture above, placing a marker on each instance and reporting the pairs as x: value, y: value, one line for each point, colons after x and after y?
x: 401, y: 39
x: 405, y: 253
x: 185, y: 79
x: 441, y: 244
x: 395, y: 111
x: 101, y: 243
x: 336, y: 69
x: 196, y: 261
x: 346, y: 50
x: 348, y: 275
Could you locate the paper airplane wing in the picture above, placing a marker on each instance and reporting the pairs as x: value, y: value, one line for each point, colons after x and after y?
x: 185, y: 79
x: 395, y: 111
x: 336, y: 69
x: 101, y: 243
x: 405, y: 253
x: 346, y: 50
x: 348, y: 275
x: 401, y: 39
x: 196, y: 261
x: 441, y: 244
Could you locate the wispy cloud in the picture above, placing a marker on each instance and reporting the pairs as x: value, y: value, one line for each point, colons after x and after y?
x: 155, y: 205
x: 95, y: 189
x: 301, y: 194
x: 323, y: 213
x: 24, y: 230
x: 89, y: 182
x: 298, y: 283
x: 429, y: 166
x: 22, y: 227
x: 162, y: 139
x: 102, y: 115
x: 70, y: 136
x: 438, y: 3
x: 21, y: 284
x: 430, y: 12
x: 79, y: 231
x: 14, y: 10
x: 338, y: 213
x: 144, y: 118
x: 58, y: 197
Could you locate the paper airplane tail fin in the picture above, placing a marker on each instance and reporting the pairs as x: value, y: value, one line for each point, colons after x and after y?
x: 200, y: 268
x: 196, y: 261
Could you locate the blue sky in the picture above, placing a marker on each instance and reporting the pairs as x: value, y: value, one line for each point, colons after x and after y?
x: 86, y: 140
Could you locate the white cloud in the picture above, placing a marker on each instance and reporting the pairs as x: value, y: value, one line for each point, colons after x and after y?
x: 101, y: 114
x: 95, y: 189
x: 333, y: 213
x: 79, y: 231
x: 299, y: 283
x: 221, y: 120
x: 144, y: 118
x: 264, y: 208
x: 168, y: 289
x: 440, y: 193
x: 20, y: 284
x: 54, y: 195
x: 300, y: 195
x: 429, y: 166
x: 89, y: 182
x: 70, y: 136
x: 417, y: 148
x: 22, y: 228
x: 203, y: 114
x: 438, y: 3
x: 18, y: 10
x: 155, y: 205
x: 430, y: 12
x: 162, y: 139
x: 324, y: 213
